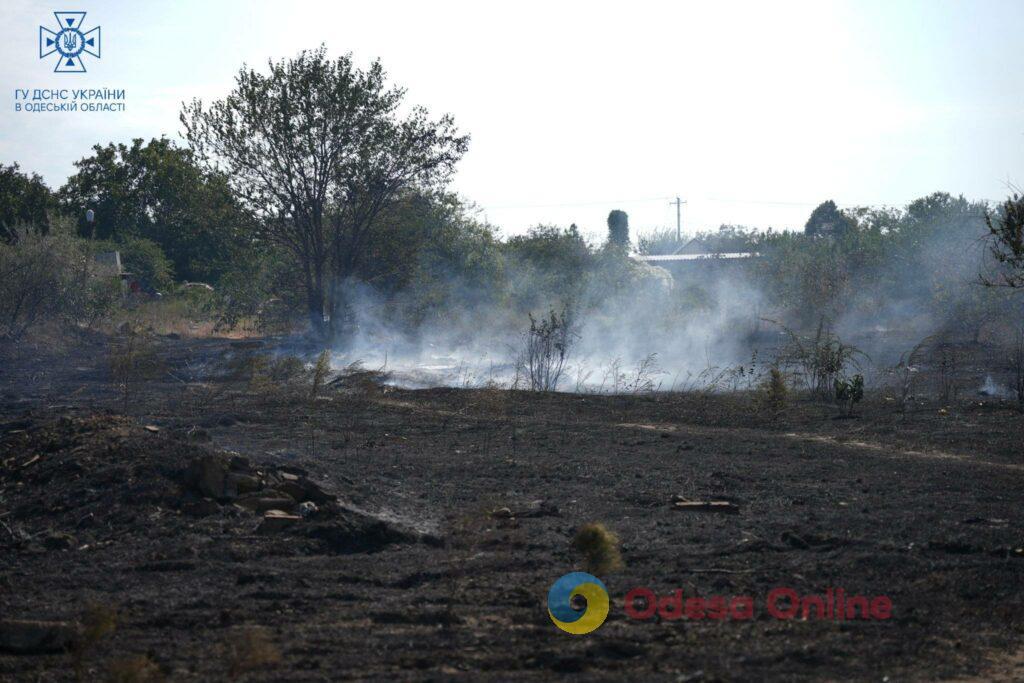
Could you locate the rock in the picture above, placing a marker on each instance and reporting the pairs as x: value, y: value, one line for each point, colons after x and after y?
x: 243, y: 483
x: 276, y: 520
x: 538, y: 508
x: 36, y: 637
x: 240, y: 463
x: 153, y: 429
x: 303, y: 489
x: 208, y: 473
x: 314, y: 492
x: 308, y: 509
x: 501, y: 513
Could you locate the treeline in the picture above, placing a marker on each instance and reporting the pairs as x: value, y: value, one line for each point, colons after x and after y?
x: 313, y: 188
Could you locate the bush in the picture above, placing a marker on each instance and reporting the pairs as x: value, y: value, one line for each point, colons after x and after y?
x: 546, y: 348
x: 774, y: 392
x: 146, y: 262
x: 599, y: 548
x: 51, y: 278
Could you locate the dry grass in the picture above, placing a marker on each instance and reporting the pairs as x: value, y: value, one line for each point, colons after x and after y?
x: 598, y: 547
x: 250, y: 648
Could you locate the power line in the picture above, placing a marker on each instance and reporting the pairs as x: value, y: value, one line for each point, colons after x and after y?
x: 570, y: 204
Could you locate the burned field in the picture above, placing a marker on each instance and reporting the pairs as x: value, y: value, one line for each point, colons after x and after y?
x: 420, y: 531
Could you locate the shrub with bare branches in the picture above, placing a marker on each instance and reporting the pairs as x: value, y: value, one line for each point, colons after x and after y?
x: 820, y: 360
x: 545, y: 350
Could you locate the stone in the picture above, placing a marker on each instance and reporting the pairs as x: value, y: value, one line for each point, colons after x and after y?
x: 36, y: 637
x: 243, y: 483
x: 276, y: 520
x: 308, y: 509
x: 208, y: 473
x: 240, y: 463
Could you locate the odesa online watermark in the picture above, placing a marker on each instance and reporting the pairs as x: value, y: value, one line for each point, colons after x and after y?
x: 579, y: 603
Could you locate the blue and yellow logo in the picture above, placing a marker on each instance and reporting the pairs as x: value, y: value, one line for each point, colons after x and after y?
x: 569, y: 618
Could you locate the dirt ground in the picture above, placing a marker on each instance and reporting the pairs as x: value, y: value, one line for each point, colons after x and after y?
x: 454, y: 515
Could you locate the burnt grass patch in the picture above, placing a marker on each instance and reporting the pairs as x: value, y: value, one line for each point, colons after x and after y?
x: 423, y: 529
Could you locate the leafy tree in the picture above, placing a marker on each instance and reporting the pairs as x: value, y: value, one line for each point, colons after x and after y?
x: 827, y: 219
x: 25, y: 200
x: 1006, y: 243
x: 316, y: 150
x: 618, y: 228
x: 548, y: 265
x: 156, y: 191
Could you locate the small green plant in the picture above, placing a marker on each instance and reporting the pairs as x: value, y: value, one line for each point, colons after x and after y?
x: 133, y: 359
x: 320, y: 372
x: 599, y: 548
x: 849, y: 391
x: 774, y: 393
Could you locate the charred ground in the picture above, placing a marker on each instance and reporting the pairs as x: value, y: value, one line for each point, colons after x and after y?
x: 454, y: 514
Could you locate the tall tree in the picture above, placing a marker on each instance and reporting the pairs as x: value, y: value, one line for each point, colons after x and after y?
x: 618, y: 228
x: 1006, y: 243
x: 157, y: 191
x: 25, y: 200
x: 827, y: 219
x: 316, y: 149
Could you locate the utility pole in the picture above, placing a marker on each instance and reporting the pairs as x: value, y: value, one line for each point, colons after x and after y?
x: 679, y: 218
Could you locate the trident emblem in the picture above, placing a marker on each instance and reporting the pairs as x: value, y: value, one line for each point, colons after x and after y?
x: 69, y: 41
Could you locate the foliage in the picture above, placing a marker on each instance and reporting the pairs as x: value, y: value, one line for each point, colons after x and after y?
x: 25, y: 202
x: 145, y: 261
x: 1017, y: 365
x: 316, y: 150
x: 849, y: 391
x: 549, y: 265
x: 774, y: 394
x: 1006, y: 243
x: 546, y: 348
x: 133, y: 360
x: 599, y: 548
x: 156, y: 191
x: 658, y: 242
x: 827, y: 219
x: 820, y: 360
x: 618, y: 228
x: 320, y: 371
x: 51, y: 277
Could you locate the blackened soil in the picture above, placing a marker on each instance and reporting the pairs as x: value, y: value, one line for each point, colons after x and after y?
x: 95, y: 509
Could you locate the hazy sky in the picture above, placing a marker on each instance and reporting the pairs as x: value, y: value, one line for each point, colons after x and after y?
x: 753, y: 112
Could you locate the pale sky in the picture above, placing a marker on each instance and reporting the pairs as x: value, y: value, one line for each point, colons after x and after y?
x: 753, y: 112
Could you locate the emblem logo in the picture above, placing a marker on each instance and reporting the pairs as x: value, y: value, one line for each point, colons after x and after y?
x: 70, y: 42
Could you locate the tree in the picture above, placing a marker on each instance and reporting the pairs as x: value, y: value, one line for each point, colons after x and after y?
x: 827, y: 219
x: 618, y: 228
x: 25, y: 200
x: 315, y: 150
x: 1006, y: 243
x: 156, y: 191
